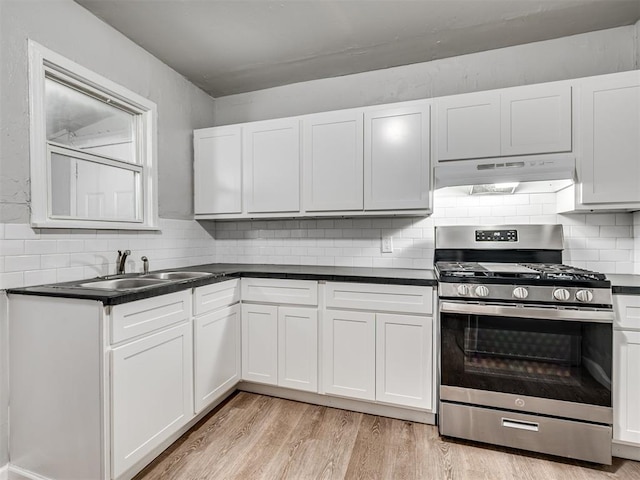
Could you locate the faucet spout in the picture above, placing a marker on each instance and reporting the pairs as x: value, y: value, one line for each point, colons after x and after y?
x: 122, y: 258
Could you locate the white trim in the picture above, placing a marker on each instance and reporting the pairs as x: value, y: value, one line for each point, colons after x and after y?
x: 17, y: 473
x: 627, y: 450
x: 41, y: 59
x: 4, y: 472
x: 409, y: 414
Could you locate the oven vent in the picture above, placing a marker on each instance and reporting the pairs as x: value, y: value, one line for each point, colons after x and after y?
x: 494, y: 189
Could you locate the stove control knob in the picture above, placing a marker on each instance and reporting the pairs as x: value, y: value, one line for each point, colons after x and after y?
x: 584, y: 296
x: 482, y: 291
x: 561, y: 294
x: 520, y: 293
x: 463, y: 290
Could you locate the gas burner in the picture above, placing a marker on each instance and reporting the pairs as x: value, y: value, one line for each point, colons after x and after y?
x: 565, y: 272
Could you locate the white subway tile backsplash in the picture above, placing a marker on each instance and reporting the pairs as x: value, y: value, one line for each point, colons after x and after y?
x: 19, y: 263
x: 39, y: 246
x: 40, y: 277
x: 19, y: 231
x: 33, y: 257
x: 11, y: 247
x: 608, y: 242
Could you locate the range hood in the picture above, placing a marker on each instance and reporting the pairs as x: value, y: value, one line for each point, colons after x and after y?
x: 504, y: 170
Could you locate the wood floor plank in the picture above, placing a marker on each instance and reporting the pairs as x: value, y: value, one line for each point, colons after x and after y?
x: 262, y: 438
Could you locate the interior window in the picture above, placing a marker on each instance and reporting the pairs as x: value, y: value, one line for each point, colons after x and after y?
x: 92, y: 148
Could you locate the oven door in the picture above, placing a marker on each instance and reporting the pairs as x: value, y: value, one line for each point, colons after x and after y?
x: 527, y: 358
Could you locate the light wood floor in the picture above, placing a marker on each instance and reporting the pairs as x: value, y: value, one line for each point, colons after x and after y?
x: 254, y: 437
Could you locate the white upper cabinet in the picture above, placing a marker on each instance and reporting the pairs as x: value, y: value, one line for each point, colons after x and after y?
x: 217, y: 181
x: 271, y: 160
x: 534, y: 119
x: 332, y: 161
x: 468, y: 126
x: 609, y: 133
x: 396, y: 157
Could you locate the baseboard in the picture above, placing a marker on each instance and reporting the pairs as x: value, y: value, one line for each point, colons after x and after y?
x: 4, y: 472
x: 17, y: 473
x: 418, y: 416
x: 625, y: 450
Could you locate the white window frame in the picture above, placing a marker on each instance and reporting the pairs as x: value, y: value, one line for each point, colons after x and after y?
x: 43, y: 60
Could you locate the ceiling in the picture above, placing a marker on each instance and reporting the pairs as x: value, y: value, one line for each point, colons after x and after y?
x: 234, y: 46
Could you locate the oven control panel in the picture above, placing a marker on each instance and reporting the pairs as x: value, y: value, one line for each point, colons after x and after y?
x: 496, y: 235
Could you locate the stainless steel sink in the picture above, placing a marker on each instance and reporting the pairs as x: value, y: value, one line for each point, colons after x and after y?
x: 123, y: 283
x: 178, y: 275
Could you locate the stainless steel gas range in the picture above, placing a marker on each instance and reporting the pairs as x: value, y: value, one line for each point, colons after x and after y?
x: 526, y: 342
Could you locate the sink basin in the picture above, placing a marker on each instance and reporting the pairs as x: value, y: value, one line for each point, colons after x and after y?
x: 177, y: 275
x: 123, y: 283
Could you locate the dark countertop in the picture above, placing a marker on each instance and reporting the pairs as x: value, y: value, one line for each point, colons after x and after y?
x: 396, y: 276
x: 625, y: 284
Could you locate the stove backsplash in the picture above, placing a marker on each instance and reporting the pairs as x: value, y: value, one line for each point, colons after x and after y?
x: 596, y: 241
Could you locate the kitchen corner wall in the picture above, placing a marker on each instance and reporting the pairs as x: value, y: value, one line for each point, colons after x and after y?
x: 597, y: 241
x: 29, y: 257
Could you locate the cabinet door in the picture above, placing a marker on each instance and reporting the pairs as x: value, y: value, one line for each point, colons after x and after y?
x: 468, y: 126
x: 404, y: 360
x: 217, y: 354
x: 536, y: 119
x: 217, y: 179
x: 349, y: 355
x: 626, y: 386
x: 298, y: 348
x: 609, y: 126
x: 152, y: 393
x: 260, y: 343
x: 333, y: 170
x: 271, y: 154
x: 396, y: 158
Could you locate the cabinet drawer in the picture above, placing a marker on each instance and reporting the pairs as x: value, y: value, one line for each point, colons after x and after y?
x: 270, y: 290
x: 387, y: 298
x: 218, y: 295
x: 627, y: 309
x: 130, y: 320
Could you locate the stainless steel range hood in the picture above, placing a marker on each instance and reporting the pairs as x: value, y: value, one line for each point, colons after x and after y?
x: 503, y: 170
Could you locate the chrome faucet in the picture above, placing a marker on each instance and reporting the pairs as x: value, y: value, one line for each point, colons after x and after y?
x: 122, y: 258
x: 145, y: 265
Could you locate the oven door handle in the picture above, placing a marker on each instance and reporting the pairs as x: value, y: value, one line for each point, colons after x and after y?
x: 519, y: 311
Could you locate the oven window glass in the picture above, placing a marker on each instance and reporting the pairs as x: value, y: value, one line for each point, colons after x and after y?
x: 561, y: 360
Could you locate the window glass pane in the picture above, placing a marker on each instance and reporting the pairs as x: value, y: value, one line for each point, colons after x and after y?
x: 88, y: 190
x: 82, y: 122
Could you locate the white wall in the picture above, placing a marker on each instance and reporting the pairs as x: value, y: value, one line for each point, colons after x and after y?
x: 594, y: 53
x: 70, y: 30
x: 602, y: 242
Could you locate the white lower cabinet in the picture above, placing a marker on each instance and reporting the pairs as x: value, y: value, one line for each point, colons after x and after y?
x: 379, y: 355
x: 349, y: 355
x: 152, y: 388
x: 280, y: 332
x: 280, y: 346
x: 298, y: 348
x: 217, y: 354
x: 404, y: 360
x: 260, y: 343
x: 626, y: 394
x: 626, y: 375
